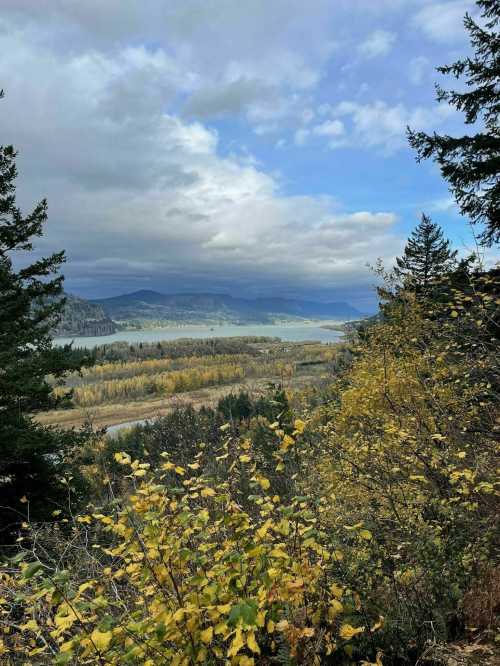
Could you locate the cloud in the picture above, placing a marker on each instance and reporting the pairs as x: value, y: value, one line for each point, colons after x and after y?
x: 330, y: 128
x: 140, y: 195
x: 383, y: 126
x: 132, y: 117
x: 418, y: 68
x: 218, y: 99
x: 378, y: 43
x: 443, y: 21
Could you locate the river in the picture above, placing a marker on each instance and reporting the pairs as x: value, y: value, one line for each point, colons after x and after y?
x: 299, y: 332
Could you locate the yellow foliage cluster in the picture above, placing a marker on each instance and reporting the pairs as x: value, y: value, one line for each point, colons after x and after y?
x: 388, y: 513
x: 117, y: 370
x: 172, y: 382
x: 411, y: 459
x: 109, y: 382
x: 177, y: 572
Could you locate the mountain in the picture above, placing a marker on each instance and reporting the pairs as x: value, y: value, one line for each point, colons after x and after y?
x: 83, y: 318
x: 150, y: 306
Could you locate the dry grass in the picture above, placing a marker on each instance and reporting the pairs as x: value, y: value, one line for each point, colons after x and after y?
x: 103, y: 416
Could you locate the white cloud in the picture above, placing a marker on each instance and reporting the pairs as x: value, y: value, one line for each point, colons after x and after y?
x: 380, y: 125
x: 378, y: 43
x: 137, y: 193
x: 331, y: 128
x: 418, y: 68
x: 443, y: 21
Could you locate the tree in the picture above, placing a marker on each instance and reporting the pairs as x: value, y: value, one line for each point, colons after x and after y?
x: 31, y: 456
x: 471, y: 163
x: 427, y: 256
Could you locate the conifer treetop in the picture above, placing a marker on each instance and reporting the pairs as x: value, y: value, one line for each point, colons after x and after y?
x: 471, y: 163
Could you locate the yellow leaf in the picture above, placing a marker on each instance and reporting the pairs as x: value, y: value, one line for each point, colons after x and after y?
x: 224, y: 608
x: 261, y: 618
x: 64, y: 622
x: 246, y: 661
x: 84, y: 519
x: 365, y: 534
x: 67, y: 646
x: 336, y: 590
x: 245, y: 458
x: 101, y: 639
x: 347, y: 631
x: 220, y: 628
x: 123, y: 458
x: 252, y: 643
x: 264, y: 483
x: 236, y: 644
x: 335, y: 609
x: 299, y: 425
x: 207, y: 492
x: 178, y: 616
x: 262, y: 531
x: 207, y: 635
x: 31, y: 625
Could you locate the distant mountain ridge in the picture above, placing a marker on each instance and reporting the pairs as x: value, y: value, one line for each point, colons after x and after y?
x: 149, y: 306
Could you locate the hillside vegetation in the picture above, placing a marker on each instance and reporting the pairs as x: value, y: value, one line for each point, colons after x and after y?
x: 352, y: 522
x: 80, y: 317
x: 364, y: 526
x: 150, y: 308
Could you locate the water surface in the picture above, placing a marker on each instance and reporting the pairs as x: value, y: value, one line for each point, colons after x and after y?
x: 292, y: 332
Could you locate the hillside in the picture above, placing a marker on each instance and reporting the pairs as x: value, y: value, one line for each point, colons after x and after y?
x: 149, y: 306
x: 83, y: 318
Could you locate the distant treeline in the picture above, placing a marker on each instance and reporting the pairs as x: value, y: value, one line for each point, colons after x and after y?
x: 183, y: 347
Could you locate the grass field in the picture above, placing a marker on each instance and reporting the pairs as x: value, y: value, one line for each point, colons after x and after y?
x: 117, y: 392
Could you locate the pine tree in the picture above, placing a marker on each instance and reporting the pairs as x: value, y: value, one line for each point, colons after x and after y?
x: 471, y: 163
x: 31, y: 456
x: 426, y: 257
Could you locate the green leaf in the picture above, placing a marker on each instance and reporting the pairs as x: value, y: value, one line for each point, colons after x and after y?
x: 32, y: 569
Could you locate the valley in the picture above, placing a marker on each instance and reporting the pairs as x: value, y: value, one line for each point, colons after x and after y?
x: 136, y: 382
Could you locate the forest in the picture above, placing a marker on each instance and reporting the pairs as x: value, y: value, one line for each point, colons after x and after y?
x: 348, y: 521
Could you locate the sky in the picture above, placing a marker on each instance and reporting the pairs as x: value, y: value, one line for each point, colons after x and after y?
x: 251, y: 147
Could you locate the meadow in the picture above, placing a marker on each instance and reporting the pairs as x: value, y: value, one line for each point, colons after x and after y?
x: 134, y: 382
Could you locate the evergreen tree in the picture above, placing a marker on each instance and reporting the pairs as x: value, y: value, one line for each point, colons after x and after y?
x: 31, y: 456
x: 471, y: 163
x: 426, y: 257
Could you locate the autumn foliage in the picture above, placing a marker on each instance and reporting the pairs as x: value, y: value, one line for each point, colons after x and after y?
x: 356, y: 533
